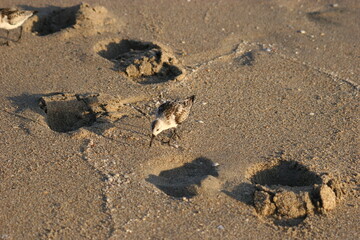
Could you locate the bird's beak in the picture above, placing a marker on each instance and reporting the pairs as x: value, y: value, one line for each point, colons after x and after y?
x: 152, y: 138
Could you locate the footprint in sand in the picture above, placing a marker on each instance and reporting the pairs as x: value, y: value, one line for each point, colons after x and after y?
x: 288, y: 191
x: 81, y: 19
x: 67, y: 112
x: 143, y: 62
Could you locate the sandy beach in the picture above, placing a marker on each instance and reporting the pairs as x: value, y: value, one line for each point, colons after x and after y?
x: 269, y: 151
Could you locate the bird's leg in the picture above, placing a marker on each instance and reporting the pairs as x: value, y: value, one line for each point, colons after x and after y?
x: 21, y: 30
x: 7, y: 38
x: 173, y: 135
x: 170, y: 138
x: 176, y: 134
x: 152, y: 139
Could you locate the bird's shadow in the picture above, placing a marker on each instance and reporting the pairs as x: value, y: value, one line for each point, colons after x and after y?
x: 181, y: 181
x: 244, y: 193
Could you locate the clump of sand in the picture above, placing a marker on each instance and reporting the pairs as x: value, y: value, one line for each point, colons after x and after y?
x: 287, y: 189
x: 147, y: 59
x: 143, y: 62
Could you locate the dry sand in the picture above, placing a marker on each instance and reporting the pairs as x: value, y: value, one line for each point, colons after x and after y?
x: 277, y: 87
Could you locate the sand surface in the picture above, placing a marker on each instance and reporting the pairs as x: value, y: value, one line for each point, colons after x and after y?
x: 277, y: 108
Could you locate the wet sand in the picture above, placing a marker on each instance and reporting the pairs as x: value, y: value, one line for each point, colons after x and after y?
x: 277, y: 107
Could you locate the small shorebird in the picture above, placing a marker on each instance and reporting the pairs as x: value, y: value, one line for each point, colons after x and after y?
x: 11, y: 18
x: 169, y: 115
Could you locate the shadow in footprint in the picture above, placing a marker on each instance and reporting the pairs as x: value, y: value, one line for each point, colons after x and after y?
x: 243, y: 193
x: 247, y: 59
x: 184, y: 181
x: 53, y: 19
x: 166, y: 73
x: 65, y: 112
x: 115, y: 50
x: 27, y: 101
x: 286, y: 173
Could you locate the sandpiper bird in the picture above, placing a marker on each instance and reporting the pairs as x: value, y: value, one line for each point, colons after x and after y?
x: 169, y: 115
x: 11, y: 18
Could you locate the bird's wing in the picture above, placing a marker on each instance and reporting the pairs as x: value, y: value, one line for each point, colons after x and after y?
x: 7, y: 12
x: 164, y: 109
x: 179, y: 109
x: 16, y: 16
x: 182, y: 111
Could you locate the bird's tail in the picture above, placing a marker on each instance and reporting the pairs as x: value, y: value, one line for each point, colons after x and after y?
x: 192, y: 98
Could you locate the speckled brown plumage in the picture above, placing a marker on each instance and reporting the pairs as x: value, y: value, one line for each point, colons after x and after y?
x: 170, y: 114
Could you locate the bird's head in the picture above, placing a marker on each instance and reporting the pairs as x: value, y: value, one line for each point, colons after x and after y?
x: 155, y: 129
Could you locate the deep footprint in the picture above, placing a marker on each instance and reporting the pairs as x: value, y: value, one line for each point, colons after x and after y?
x: 91, y: 19
x: 289, y: 191
x: 67, y: 112
x: 286, y: 173
x: 143, y: 62
x: 56, y: 20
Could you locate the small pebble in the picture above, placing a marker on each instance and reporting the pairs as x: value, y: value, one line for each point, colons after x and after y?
x: 215, y: 164
x: 221, y: 227
x: 199, y: 121
x: 312, y: 114
x: 302, y: 31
